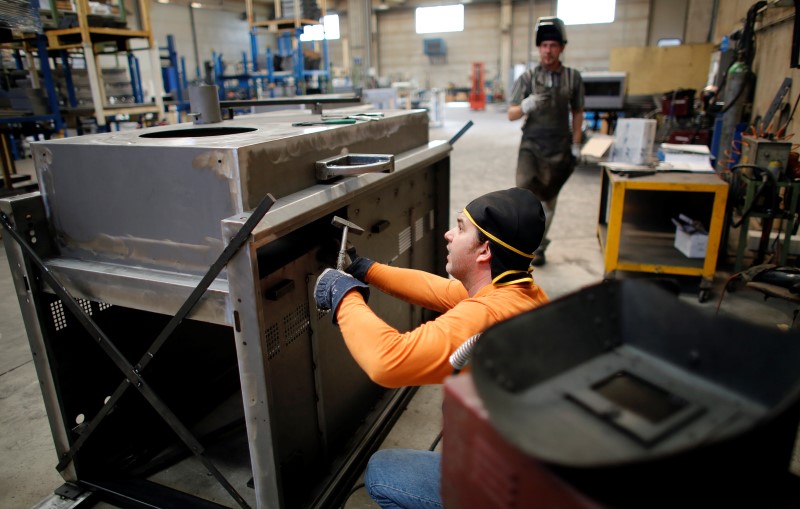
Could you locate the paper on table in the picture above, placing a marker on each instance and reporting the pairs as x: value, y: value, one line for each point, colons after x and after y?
x: 699, y: 167
x: 626, y: 167
x: 686, y: 162
x: 677, y: 147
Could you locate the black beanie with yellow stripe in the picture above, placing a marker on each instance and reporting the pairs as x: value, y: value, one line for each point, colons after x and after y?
x: 513, y: 221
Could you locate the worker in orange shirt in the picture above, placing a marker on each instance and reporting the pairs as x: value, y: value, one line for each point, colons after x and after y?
x: 489, y: 260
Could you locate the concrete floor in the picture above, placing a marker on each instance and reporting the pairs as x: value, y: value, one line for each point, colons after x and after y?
x: 482, y: 160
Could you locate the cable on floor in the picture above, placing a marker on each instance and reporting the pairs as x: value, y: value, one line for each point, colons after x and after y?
x: 350, y: 493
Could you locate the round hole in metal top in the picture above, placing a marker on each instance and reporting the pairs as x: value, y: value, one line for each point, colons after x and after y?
x: 198, y: 132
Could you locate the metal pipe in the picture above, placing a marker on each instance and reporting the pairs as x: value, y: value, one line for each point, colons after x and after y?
x: 194, y: 42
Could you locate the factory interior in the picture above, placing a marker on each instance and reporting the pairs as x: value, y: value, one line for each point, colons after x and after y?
x: 178, y: 176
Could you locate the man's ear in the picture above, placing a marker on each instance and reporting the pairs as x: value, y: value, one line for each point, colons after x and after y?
x: 484, y: 253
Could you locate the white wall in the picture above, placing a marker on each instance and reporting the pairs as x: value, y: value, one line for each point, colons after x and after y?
x: 217, y: 30
x: 401, y: 56
x: 400, y: 50
x: 589, y: 46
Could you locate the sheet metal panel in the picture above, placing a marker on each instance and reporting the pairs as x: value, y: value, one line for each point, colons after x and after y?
x: 138, y: 198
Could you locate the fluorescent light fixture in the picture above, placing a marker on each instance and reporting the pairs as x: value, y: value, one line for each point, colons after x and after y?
x: 195, y: 5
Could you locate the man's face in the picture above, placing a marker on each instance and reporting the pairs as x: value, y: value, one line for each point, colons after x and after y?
x: 549, y: 53
x: 462, y: 246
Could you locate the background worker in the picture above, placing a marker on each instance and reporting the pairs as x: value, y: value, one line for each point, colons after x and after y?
x: 489, y: 255
x: 551, y: 143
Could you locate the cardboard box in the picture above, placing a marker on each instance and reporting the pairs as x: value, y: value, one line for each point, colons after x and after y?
x: 693, y: 245
x: 633, y: 141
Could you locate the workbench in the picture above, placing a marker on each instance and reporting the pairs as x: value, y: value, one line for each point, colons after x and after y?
x: 635, y: 228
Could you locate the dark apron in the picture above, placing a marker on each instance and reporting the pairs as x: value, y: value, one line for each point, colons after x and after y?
x: 545, y: 163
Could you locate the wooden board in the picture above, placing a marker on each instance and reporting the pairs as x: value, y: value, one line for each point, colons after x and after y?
x: 654, y: 70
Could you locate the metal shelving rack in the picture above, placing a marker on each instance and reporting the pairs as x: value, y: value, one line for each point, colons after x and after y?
x: 280, y: 22
x: 88, y: 39
x: 19, y: 121
x: 289, y: 29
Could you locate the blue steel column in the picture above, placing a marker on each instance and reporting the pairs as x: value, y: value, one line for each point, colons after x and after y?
x: 299, y: 64
x: 136, y: 84
x: 52, y: 98
x: 254, y: 49
x: 182, y: 85
x: 326, y: 64
x: 73, y: 101
x: 270, y: 72
x: 218, y: 73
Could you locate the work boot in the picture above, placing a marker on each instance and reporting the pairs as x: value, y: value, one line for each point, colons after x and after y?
x: 538, y: 255
x: 539, y: 258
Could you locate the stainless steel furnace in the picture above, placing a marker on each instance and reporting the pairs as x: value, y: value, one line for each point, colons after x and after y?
x: 130, y: 222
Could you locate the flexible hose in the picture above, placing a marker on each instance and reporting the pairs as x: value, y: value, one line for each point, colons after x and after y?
x: 461, y: 357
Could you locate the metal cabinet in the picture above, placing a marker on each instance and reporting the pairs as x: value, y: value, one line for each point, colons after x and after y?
x: 255, y: 387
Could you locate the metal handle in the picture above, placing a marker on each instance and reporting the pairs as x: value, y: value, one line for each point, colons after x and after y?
x: 354, y: 164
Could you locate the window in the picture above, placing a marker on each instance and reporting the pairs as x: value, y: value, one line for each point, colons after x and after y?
x: 668, y: 42
x: 584, y: 12
x: 328, y: 29
x: 445, y: 18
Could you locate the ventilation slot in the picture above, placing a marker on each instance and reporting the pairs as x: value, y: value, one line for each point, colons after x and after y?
x: 86, y: 305
x: 59, y: 318
x: 102, y: 306
x: 321, y: 313
x: 419, y: 229
x: 295, y: 324
x: 404, y: 240
x: 431, y: 220
x: 273, y: 341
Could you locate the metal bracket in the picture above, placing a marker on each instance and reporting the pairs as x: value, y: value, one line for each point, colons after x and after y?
x: 68, y: 490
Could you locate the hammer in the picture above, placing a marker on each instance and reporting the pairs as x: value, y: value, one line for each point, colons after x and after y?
x: 345, y: 226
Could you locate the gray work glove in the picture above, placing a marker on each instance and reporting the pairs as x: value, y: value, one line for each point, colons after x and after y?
x: 331, y: 287
x: 532, y: 103
x: 576, y: 150
x: 357, y: 266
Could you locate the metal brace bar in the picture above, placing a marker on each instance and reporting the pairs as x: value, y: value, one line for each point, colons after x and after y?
x: 233, y: 246
x: 134, y: 373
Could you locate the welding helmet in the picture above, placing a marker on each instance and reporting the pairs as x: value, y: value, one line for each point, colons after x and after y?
x: 550, y: 29
x: 513, y: 221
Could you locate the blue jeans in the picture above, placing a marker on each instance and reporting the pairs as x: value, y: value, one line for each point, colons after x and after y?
x: 405, y: 478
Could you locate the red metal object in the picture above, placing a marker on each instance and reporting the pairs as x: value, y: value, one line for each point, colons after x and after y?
x: 481, y: 470
x: 690, y: 136
x: 477, y: 97
x: 678, y: 104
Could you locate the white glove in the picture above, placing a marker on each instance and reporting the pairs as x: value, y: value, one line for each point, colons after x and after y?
x: 576, y: 150
x: 532, y: 102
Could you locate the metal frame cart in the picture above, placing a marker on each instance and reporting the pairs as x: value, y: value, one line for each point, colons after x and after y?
x: 635, y: 228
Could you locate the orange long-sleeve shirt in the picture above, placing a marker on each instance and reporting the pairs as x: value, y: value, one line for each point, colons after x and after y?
x: 421, y: 356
